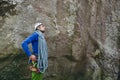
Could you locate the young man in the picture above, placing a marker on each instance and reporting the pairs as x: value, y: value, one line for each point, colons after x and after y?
x: 39, y: 57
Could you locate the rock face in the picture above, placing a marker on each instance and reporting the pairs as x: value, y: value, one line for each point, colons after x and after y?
x: 83, y: 37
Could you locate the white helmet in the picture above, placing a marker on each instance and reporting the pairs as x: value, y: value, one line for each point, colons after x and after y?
x: 36, y: 25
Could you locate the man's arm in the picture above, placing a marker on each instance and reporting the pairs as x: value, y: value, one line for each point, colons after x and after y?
x: 27, y: 41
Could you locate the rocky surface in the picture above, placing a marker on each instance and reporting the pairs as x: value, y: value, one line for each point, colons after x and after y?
x: 83, y: 38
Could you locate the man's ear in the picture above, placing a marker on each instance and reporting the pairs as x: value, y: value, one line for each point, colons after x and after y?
x: 38, y: 27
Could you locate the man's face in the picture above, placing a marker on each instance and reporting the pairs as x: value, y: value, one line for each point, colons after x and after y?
x: 42, y: 28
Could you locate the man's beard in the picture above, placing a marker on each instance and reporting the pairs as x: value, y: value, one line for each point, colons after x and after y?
x: 42, y: 31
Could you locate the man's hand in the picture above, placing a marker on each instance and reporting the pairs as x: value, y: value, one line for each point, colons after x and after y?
x: 33, y: 58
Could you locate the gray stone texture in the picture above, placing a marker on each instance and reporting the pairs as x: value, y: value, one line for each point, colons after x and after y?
x: 83, y: 36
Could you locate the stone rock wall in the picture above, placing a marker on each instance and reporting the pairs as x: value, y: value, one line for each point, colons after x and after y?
x: 83, y: 36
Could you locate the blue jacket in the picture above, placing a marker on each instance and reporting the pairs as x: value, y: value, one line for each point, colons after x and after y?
x: 33, y: 39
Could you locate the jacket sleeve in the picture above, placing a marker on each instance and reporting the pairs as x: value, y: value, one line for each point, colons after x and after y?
x: 27, y: 41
